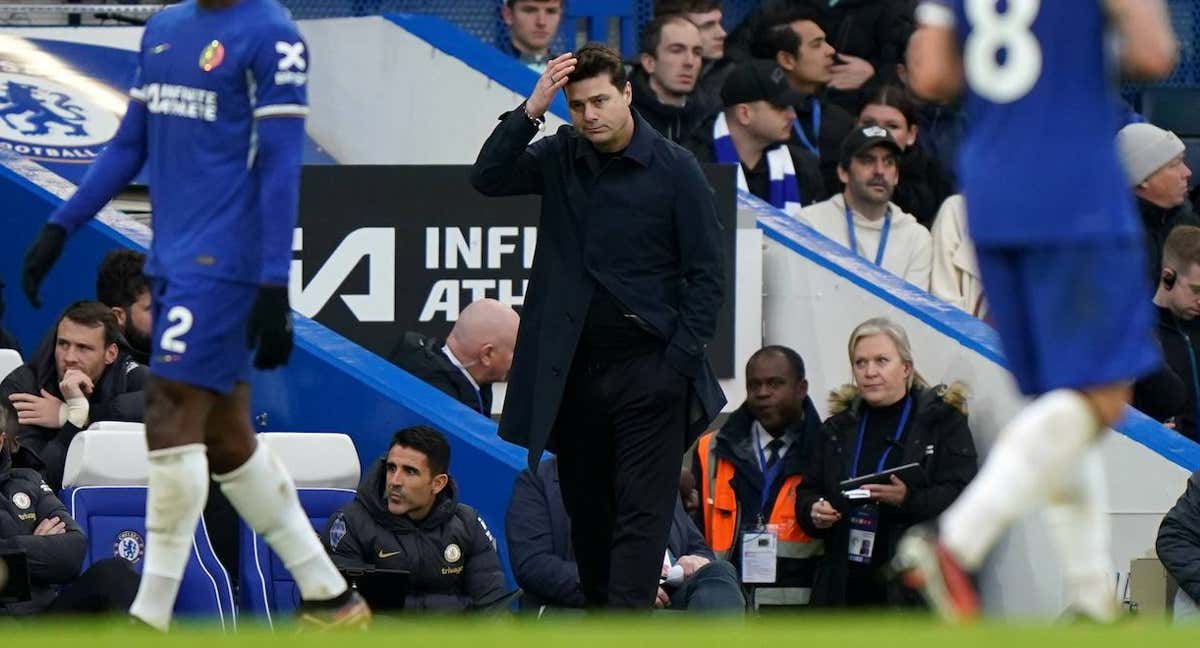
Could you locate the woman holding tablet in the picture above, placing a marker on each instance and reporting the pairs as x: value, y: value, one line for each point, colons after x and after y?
x: 894, y: 452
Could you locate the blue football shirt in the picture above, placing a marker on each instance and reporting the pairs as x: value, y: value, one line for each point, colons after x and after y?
x: 205, y: 78
x: 1039, y: 164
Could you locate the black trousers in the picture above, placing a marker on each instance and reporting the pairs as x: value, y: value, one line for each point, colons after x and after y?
x: 108, y: 586
x: 619, y: 433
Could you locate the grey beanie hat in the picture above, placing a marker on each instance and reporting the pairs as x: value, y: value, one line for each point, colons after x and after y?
x: 1146, y: 148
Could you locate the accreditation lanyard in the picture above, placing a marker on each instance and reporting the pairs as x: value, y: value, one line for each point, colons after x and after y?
x: 769, y: 477
x: 862, y: 430
x: 883, y: 234
x: 1187, y: 341
x: 813, y: 145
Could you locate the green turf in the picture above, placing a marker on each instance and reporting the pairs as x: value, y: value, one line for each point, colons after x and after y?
x: 858, y: 631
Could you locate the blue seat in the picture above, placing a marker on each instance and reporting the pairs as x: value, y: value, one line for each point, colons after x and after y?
x: 114, y: 519
x: 325, y: 468
x: 597, y: 13
x: 266, y: 587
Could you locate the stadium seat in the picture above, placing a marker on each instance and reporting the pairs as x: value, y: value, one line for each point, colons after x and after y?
x: 104, y: 487
x: 9, y: 359
x: 114, y: 519
x: 326, y: 471
x: 597, y: 13
x: 1191, y: 153
x: 1174, y: 109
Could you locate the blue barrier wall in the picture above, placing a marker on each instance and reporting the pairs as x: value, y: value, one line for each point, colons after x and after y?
x: 330, y: 385
x: 947, y: 320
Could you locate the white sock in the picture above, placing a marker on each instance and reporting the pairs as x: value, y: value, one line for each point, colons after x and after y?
x: 1079, y: 526
x: 1024, y: 467
x: 265, y: 496
x: 178, y: 488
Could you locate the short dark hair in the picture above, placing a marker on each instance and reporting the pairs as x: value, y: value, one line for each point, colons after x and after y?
x: 666, y: 7
x: 894, y: 97
x: 595, y: 59
x: 774, y: 33
x: 1182, y: 248
x: 121, y: 278
x: 651, y: 36
x: 793, y: 359
x: 92, y: 314
x: 428, y: 441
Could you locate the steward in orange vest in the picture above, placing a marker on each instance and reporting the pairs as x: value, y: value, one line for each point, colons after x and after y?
x: 728, y: 467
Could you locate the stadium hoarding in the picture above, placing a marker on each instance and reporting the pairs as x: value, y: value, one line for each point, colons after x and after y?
x: 380, y: 250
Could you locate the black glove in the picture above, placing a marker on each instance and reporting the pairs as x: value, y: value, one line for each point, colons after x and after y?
x: 40, y: 258
x: 271, y: 327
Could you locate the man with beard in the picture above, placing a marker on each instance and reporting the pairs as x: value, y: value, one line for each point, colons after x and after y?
x: 122, y: 286
x: 79, y: 375
x: 864, y: 218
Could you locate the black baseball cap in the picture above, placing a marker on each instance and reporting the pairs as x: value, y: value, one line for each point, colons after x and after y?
x: 865, y: 138
x: 758, y: 80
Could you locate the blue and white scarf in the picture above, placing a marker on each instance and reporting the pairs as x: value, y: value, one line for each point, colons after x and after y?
x: 784, y: 192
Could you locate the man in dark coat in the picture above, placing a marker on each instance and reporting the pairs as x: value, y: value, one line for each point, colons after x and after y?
x: 36, y: 526
x: 777, y: 424
x: 870, y: 36
x: 82, y: 373
x: 543, y: 562
x: 665, y: 77
x: 706, y: 16
x: 610, y: 366
x: 1178, y: 543
x: 792, y: 38
x: 756, y: 120
x: 477, y: 353
x: 1153, y: 159
x: 407, y: 516
x: 1173, y: 391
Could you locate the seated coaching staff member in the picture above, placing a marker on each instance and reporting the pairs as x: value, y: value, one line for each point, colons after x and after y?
x: 610, y: 367
x: 407, y: 516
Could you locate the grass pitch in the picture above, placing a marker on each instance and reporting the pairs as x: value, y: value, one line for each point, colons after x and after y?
x: 824, y: 631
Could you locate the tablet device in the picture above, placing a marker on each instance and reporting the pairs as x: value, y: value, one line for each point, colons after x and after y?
x: 384, y: 589
x: 908, y: 473
x: 15, y: 587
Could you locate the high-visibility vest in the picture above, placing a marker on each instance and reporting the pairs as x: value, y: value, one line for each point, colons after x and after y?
x: 721, y: 515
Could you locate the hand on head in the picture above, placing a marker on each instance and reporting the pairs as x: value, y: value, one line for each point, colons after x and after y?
x: 552, y: 80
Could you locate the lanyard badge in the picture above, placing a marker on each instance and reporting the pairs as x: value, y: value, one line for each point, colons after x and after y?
x: 883, y: 235
x: 864, y: 522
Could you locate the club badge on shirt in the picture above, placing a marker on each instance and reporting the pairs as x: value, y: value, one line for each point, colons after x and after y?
x: 212, y: 56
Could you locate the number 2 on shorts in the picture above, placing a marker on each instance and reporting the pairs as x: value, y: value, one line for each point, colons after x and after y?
x: 181, y: 322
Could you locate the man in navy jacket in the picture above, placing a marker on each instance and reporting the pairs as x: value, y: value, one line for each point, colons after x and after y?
x: 539, y: 546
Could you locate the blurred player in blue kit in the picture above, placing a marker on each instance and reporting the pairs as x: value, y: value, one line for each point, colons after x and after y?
x: 1061, y: 254
x: 217, y: 116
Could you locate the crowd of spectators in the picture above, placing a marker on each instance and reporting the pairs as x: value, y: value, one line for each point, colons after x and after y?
x: 807, y: 99
x: 720, y: 95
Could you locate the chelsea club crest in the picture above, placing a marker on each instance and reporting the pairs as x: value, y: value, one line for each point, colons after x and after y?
x: 49, y: 119
x: 129, y: 546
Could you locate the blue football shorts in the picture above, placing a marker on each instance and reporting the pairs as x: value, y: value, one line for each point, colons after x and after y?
x: 199, y: 334
x: 1074, y: 315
